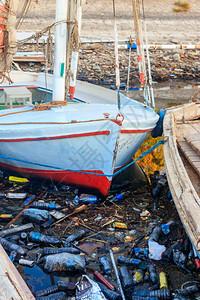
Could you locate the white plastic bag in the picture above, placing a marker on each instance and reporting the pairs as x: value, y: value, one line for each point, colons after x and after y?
x: 155, y: 250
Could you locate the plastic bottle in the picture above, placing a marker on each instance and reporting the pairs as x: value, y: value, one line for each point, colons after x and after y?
x: 8, y: 246
x: 159, y: 187
x: 190, y: 290
x: 55, y: 296
x: 18, y: 179
x: 163, y: 280
x: 109, y: 294
x: 23, y: 236
x: 64, y: 263
x: 74, y: 237
x: 117, y: 197
x: 33, y: 218
x: 19, y: 196
x: 103, y: 280
x: 86, y: 200
x: 45, y: 205
x: 126, y: 280
x: 180, y: 297
x: 28, y: 201
x: 49, y: 251
x: 47, y: 291
x: 40, y: 238
x: 168, y: 254
x: 152, y: 274
x: 155, y: 235
x: 105, y: 265
x: 27, y: 263
x: 40, y: 212
x: 179, y: 258
x: 143, y: 298
x: 70, y: 287
x: 47, y: 224
x: 167, y: 227
x: 138, y: 276
x: 13, y: 256
x: 141, y: 253
x: 129, y: 261
x: 163, y: 294
x: 17, y: 229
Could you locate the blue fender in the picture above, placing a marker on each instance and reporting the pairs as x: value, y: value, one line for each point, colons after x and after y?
x: 158, y: 130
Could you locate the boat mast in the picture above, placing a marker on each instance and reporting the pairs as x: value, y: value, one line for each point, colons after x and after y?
x: 60, y: 50
x: 75, y: 47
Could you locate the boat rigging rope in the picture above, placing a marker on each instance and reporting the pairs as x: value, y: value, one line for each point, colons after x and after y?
x: 86, y: 172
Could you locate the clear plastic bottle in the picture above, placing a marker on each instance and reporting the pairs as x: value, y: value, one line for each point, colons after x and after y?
x: 40, y: 238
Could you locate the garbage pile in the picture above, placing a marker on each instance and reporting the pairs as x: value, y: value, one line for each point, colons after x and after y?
x: 97, y: 65
x: 130, y: 245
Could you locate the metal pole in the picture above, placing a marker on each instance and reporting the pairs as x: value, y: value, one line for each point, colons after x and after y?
x: 117, y: 275
x: 60, y: 50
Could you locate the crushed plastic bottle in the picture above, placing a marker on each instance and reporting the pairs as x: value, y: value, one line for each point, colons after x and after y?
x: 152, y: 274
x: 64, y: 262
x: 8, y: 246
x: 74, y: 237
x: 126, y: 280
x: 28, y: 201
x: 156, y: 192
x: 19, y: 196
x: 17, y: 229
x: 45, y: 205
x: 138, y: 276
x: 36, y: 219
x: 44, y: 214
x: 163, y: 294
x: 13, y: 256
x: 190, y: 290
x: 105, y: 265
x: 129, y: 261
x: 86, y: 199
x: 179, y: 258
x: 109, y: 294
x: 47, y: 291
x: 166, y: 228
x: 117, y: 197
x: 168, y: 254
x: 55, y: 296
x: 51, y: 250
x: 40, y: 238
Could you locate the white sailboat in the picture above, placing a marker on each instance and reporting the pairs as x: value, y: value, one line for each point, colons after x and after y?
x: 81, y: 143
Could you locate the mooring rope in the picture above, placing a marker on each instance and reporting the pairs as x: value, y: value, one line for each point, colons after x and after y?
x: 86, y: 172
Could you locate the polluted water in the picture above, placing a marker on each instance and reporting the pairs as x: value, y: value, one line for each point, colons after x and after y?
x: 106, y: 249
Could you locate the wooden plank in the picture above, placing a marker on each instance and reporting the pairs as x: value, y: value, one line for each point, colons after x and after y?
x: 194, y: 141
x: 191, y: 155
x: 12, y: 285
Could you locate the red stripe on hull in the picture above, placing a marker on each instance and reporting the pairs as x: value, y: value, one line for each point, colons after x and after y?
x: 69, y: 136
x: 99, y: 183
x: 135, y: 131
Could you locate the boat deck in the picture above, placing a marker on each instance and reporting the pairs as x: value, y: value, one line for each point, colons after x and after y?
x: 188, y: 138
x: 12, y: 285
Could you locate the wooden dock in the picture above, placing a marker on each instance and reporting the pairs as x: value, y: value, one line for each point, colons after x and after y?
x: 12, y: 286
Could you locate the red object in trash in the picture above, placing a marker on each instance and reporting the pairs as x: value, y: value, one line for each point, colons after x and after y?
x: 103, y: 280
x: 197, y: 263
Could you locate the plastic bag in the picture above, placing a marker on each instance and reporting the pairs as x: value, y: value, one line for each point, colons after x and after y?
x: 156, y: 250
x: 87, y: 289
